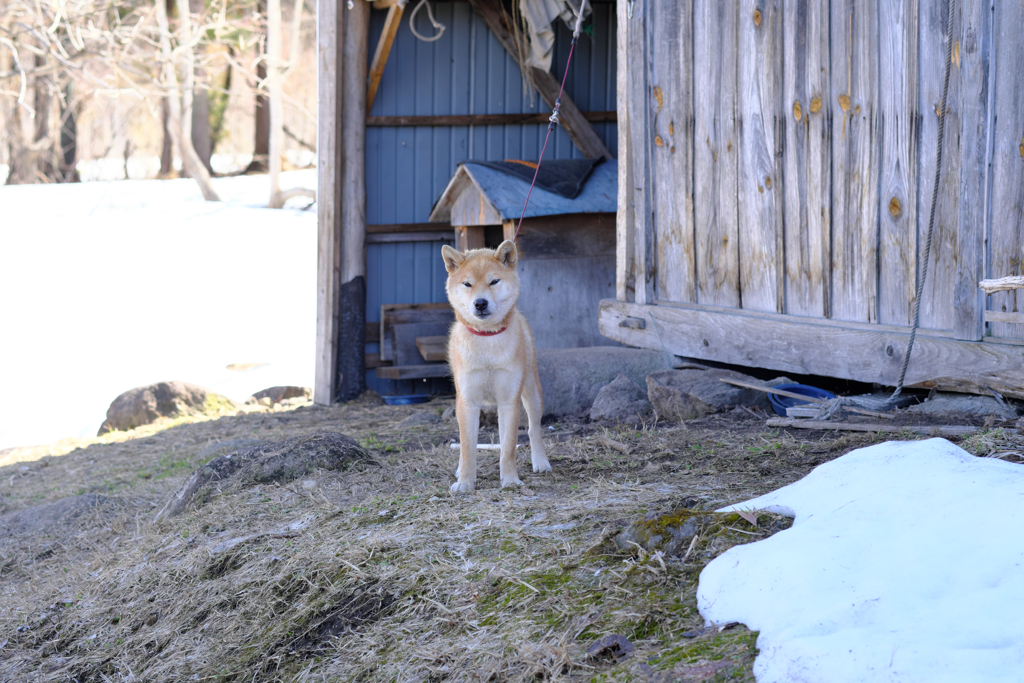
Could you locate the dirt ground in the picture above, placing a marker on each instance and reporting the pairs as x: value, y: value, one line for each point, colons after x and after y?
x: 376, y: 573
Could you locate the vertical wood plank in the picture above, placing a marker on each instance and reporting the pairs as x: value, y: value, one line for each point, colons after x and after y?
x: 624, y: 217
x: 351, y: 342
x: 807, y: 108
x: 855, y: 157
x: 759, y: 184
x: 937, y: 298
x: 641, y: 142
x: 716, y: 149
x: 974, y: 77
x: 672, y: 155
x: 1006, y: 237
x: 328, y: 261
x: 898, y: 119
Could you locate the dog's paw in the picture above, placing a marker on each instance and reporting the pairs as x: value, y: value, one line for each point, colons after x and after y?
x: 511, y: 482
x: 541, y: 464
x: 462, y: 487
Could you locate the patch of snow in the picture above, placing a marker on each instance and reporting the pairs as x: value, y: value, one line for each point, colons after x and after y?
x: 905, y: 562
x: 107, y: 286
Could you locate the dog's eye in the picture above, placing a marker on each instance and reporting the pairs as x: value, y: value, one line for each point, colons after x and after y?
x: 494, y: 282
x: 467, y: 284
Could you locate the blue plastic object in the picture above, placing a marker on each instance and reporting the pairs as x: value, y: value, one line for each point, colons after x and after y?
x: 780, y: 403
x: 406, y: 400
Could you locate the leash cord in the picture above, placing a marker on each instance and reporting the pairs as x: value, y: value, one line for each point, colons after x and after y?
x: 935, y: 201
x: 553, y: 121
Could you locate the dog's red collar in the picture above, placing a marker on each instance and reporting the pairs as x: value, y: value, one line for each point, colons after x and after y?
x: 485, y: 334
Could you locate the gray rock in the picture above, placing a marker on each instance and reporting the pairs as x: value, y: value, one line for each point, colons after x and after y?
x: 622, y: 400
x: 420, y: 419
x: 670, y: 533
x: 280, y: 394
x: 572, y: 378
x: 680, y: 395
x: 966, y: 404
x: 145, y: 405
x: 279, y: 461
x: 40, y: 519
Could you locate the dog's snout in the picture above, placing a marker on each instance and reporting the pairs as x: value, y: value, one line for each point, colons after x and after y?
x: 481, y: 305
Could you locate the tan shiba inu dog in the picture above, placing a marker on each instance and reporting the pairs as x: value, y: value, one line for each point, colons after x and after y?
x: 492, y: 356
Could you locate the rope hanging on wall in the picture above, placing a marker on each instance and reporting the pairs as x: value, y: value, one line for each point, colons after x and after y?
x: 438, y: 26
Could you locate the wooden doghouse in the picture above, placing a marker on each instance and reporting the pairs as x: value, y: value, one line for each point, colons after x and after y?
x: 566, y: 246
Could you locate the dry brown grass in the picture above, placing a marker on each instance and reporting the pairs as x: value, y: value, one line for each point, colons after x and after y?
x: 377, y: 573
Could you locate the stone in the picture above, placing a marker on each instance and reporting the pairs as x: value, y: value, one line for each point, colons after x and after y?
x: 622, y: 400
x: 278, y: 461
x: 420, y: 419
x: 145, y: 405
x: 40, y: 519
x: 680, y: 395
x: 965, y: 404
x: 571, y: 378
x: 279, y: 395
x: 671, y: 533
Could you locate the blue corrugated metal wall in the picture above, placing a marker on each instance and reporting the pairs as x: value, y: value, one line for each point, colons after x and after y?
x: 465, y: 72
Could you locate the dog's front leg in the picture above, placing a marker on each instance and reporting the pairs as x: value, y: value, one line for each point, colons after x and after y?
x: 508, y: 427
x: 469, y: 428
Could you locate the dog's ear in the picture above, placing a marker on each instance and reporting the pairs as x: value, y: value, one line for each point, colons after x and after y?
x: 507, y: 253
x: 452, y: 259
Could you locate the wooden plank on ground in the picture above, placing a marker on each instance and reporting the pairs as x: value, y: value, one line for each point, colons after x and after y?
x: 897, y: 211
x: 380, y: 55
x: 413, y: 371
x: 672, y: 153
x: 972, y: 74
x: 855, y: 157
x: 624, y: 217
x: 808, y: 108
x: 927, y: 430
x: 716, y: 152
x: 759, y: 180
x: 937, y: 299
x: 866, y: 353
x: 433, y: 348
x: 576, y: 126
x: 1006, y: 232
x: 329, y: 35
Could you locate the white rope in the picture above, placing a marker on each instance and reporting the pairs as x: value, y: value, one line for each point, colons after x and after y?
x: 579, y: 18
x: 438, y: 26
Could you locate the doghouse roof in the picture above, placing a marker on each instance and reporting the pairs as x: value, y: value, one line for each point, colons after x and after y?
x: 479, y: 195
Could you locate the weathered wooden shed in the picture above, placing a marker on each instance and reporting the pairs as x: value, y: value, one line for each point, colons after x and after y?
x: 776, y: 166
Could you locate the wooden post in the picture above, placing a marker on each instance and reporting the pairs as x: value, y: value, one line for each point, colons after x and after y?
x: 330, y: 23
x: 351, y: 368
x: 624, y: 276
x: 469, y: 237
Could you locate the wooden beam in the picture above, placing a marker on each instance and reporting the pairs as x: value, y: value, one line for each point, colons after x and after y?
x: 330, y: 20
x: 1004, y: 317
x: 413, y: 371
x: 579, y: 129
x: 389, y: 237
x: 624, y: 266
x: 807, y: 346
x: 479, y: 119
x: 404, y: 227
x: 380, y: 56
x: 351, y: 366
x: 434, y: 348
x: 1003, y: 284
x: 927, y: 430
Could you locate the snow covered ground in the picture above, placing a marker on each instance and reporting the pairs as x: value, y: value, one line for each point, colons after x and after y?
x: 106, y: 286
x: 905, y: 563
